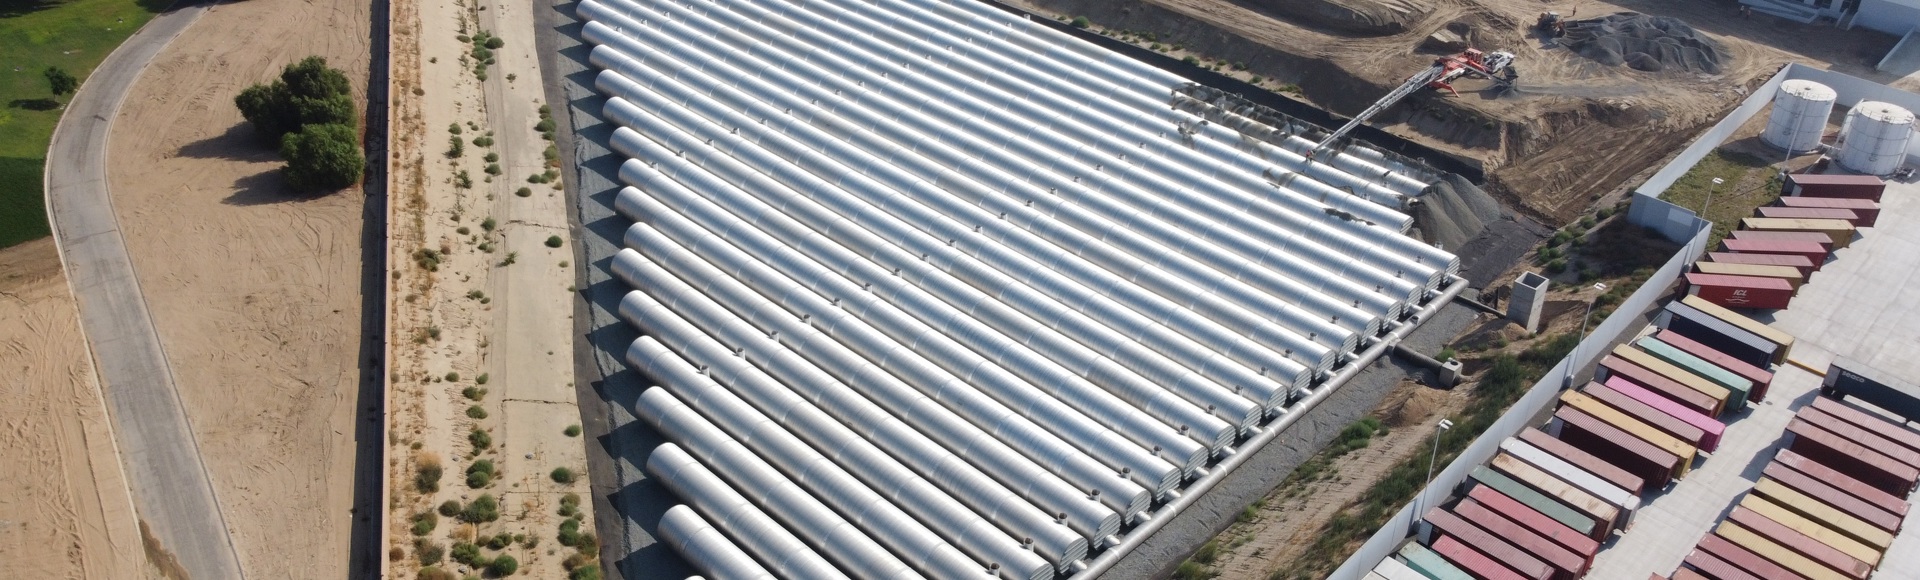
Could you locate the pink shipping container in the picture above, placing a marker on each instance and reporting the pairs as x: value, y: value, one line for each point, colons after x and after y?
x: 1868, y: 210
x: 1815, y: 253
x: 1806, y: 266
x: 1815, y: 237
x: 1712, y: 427
x: 1741, y: 291
x: 1847, y: 186
x: 1809, y: 213
x: 1760, y: 377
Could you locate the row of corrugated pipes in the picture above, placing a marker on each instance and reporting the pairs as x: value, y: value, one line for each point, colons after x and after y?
x: 964, y: 306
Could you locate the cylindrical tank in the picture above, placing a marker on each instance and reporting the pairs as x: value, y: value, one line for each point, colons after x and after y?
x: 1874, y: 139
x: 1799, y: 118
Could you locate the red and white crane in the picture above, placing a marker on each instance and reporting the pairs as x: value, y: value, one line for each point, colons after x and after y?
x: 1496, y: 66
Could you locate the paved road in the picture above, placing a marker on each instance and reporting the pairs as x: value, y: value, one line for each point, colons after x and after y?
x: 171, y: 490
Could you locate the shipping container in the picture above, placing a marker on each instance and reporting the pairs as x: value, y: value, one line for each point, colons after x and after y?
x: 1565, y: 562
x: 1372, y: 575
x: 1782, y: 340
x: 1815, y: 237
x: 1724, y: 398
x: 1880, y: 424
x: 1761, y: 377
x: 1618, y: 447
x: 1715, y: 568
x: 1840, y: 231
x: 1868, y: 466
x: 1430, y: 564
x: 1847, y: 377
x: 1710, y: 429
x: 1744, y: 559
x: 1813, y: 252
x: 1832, y: 496
x: 1472, y: 562
x: 1813, y: 529
x: 1474, y: 536
x: 1833, y: 185
x: 1666, y: 423
x: 1773, y: 551
x: 1810, y: 213
x: 1587, y: 461
x: 1750, y: 292
x: 1827, y: 515
x: 1801, y: 263
x: 1782, y: 273
x: 1614, y: 495
x: 1803, y: 544
x: 1548, y: 506
x: 1553, y: 530
x: 1863, y: 437
x: 1393, y: 569
x: 1868, y: 210
x: 1843, y: 482
x: 1631, y: 425
x: 1605, y: 516
x: 1613, y: 368
x: 1741, y: 387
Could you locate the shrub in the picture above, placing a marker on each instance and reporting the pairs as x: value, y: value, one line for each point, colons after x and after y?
x: 488, y: 224
x: 450, y: 508
x: 554, y: 241
x: 563, y: 476
x: 483, y: 509
x: 483, y: 141
x: 1191, y: 60
x: 424, y: 522
x: 468, y: 554
x: 453, y: 376
x: 1081, y: 22
x: 494, y: 42
x: 480, y: 474
x: 432, y: 573
x: 572, y: 431
x: 480, y: 439
x: 60, y: 81
x: 569, y: 532
x: 426, y: 475
x: 1556, y: 266
x: 588, y: 572
x: 473, y: 393
x: 453, y: 128
x: 427, y: 552
x: 499, y: 542
x: 503, y: 566
x: 322, y: 157
x: 544, y: 125
x: 476, y: 412
x: 524, y: 191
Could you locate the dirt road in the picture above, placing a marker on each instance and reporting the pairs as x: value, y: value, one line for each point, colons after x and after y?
x: 68, y: 512
x: 255, y: 293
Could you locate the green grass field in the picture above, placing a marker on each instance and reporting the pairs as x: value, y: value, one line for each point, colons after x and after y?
x: 74, y: 35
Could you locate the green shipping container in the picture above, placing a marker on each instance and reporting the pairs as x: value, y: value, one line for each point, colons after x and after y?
x: 1740, y: 386
x: 1560, y: 512
x: 1430, y: 564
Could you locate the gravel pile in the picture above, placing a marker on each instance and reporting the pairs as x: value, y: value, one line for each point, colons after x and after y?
x: 1452, y: 211
x: 1648, y: 43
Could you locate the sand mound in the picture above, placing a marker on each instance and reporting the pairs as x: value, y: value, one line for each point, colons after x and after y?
x: 1370, y: 17
x: 1642, y: 42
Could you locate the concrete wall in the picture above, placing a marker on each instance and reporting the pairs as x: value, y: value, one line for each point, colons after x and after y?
x: 1887, y: 16
x: 1543, y: 394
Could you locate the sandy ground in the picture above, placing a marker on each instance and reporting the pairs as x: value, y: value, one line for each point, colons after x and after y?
x: 1577, y: 131
x: 66, y: 513
x: 496, y: 303
x: 255, y: 292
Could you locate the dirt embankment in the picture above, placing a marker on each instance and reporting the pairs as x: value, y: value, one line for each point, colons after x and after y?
x: 255, y: 291
x: 66, y: 512
x: 1575, y: 131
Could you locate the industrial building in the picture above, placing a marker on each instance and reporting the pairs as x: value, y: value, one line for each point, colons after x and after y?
x: 928, y: 289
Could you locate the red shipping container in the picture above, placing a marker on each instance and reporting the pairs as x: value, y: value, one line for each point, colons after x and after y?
x: 1743, y: 559
x: 1800, y: 544
x: 1716, y: 568
x: 1594, y: 465
x: 1657, y: 418
x: 1684, y: 574
x: 1879, y: 471
x: 1847, y: 483
x: 1868, y: 210
x: 1815, y: 253
x: 1498, y: 549
x: 1865, y: 438
x: 1832, y: 496
x: 1565, y: 563
x: 1879, y: 425
x: 1805, y: 266
x: 1760, y: 377
x: 1603, y: 440
x: 1847, y: 186
x: 1540, y: 523
x: 1808, y: 213
x: 1741, y: 291
x: 1617, y: 367
x: 1471, y: 561
x: 1710, y: 427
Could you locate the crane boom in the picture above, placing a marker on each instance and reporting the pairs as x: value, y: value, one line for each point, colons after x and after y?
x: 1414, y: 83
x: 1443, y: 71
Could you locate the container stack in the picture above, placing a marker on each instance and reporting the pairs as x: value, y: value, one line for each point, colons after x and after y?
x: 1827, y: 506
x: 1546, y: 502
x: 1763, y: 265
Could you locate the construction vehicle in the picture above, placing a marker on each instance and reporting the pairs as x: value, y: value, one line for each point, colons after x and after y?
x: 1496, y: 66
x: 1550, y: 25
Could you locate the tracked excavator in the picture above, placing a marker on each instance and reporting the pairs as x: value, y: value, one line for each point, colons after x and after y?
x: 1496, y: 66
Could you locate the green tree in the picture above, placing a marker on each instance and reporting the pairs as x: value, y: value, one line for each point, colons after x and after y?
x: 61, y: 82
x: 323, y: 157
x: 266, y: 107
x: 311, y: 77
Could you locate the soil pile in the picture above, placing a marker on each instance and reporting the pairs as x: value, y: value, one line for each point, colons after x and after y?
x: 1366, y: 17
x: 1642, y: 42
x: 1452, y: 212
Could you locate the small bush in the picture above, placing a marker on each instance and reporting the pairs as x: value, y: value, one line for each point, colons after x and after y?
x: 1080, y: 22
x: 569, y: 532
x: 483, y: 509
x: 523, y: 192
x: 427, y: 552
x: 499, y: 542
x: 462, y: 180
x: 491, y: 157
x: 468, y: 554
x: 483, y: 141
x: 588, y: 572
x: 488, y: 224
x: 503, y: 566
x: 453, y: 377
x: 572, y: 431
x: 426, y: 475
x: 554, y: 241
x: 493, y: 169
x: 563, y: 476
x: 476, y: 412
x: 450, y: 508
x: 480, y: 439
x: 1556, y: 266
x: 494, y: 42
x: 424, y: 522
x: 1191, y: 60
x: 480, y: 474
x: 456, y: 147
x: 433, y: 573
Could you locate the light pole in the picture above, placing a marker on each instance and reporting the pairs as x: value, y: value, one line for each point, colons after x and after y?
x: 1703, y: 207
x: 1574, y: 358
x: 1435, y: 456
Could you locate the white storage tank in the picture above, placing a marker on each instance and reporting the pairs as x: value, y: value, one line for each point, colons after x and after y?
x: 1799, y: 118
x: 1874, y: 139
